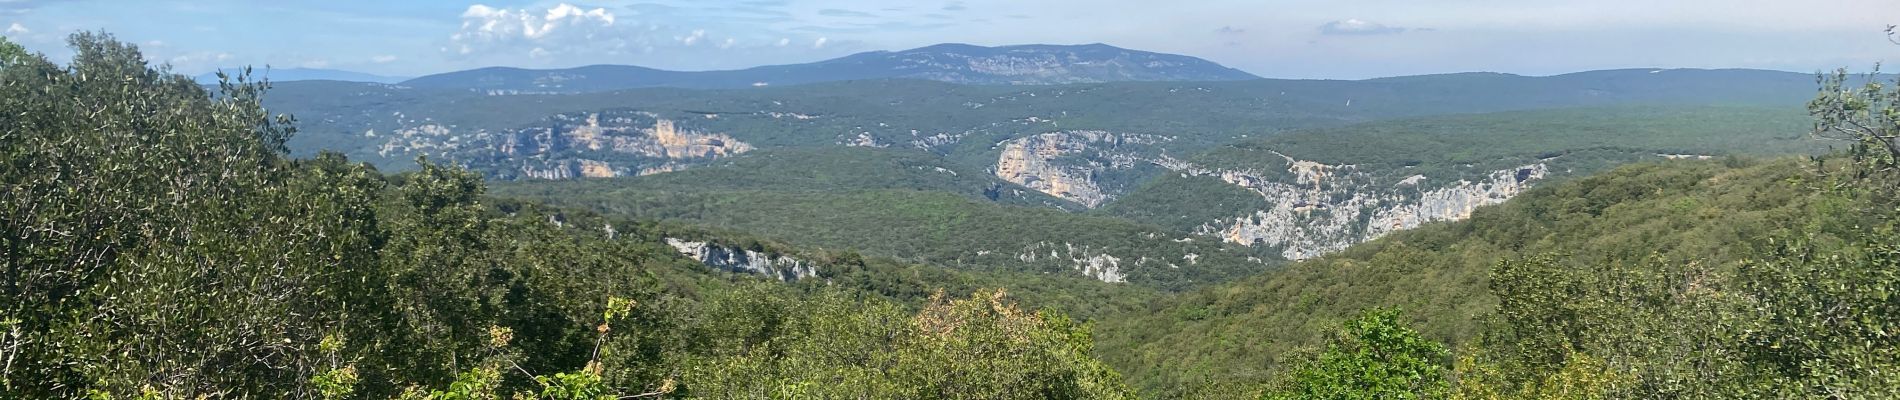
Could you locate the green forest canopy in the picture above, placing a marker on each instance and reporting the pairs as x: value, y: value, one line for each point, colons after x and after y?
x: 158, y: 243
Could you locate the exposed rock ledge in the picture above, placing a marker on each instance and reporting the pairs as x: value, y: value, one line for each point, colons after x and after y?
x: 1036, y: 162
x: 745, y: 261
x: 662, y: 141
x: 1330, y: 207
x: 1089, y: 261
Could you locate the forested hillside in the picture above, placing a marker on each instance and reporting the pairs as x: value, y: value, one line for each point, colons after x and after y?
x: 1291, y: 168
x: 1311, y: 192
x: 1735, y: 278
x: 1679, y: 239
x: 159, y: 244
x: 909, y: 206
x: 1706, y: 213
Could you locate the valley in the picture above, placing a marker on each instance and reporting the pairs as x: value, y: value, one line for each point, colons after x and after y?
x: 950, y: 221
x: 1070, y: 147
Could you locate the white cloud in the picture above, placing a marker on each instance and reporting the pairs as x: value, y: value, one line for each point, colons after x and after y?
x: 17, y: 29
x: 689, y: 40
x: 567, y: 11
x: 1358, y: 27
x: 383, y: 59
x: 487, y: 28
x: 559, y: 35
x: 198, y: 60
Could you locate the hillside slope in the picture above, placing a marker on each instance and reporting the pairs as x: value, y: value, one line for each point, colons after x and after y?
x: 836, y: 169
x: 869, y: 200
x: 1239, y: 334
x: 1315, y: 191
x: 193, y: 259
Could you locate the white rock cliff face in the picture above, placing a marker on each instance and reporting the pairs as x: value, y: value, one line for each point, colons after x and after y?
x: 663, y: 141
x: 1095, y: 263
x: 745, y: 261
x: 421, y: 139
x: 1065, y: 164
x: 1329, y: 207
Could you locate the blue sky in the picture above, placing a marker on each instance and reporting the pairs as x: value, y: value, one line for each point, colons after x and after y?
x: 1291, y: 38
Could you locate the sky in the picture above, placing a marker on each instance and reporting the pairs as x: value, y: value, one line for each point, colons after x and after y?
x: 1334, y: 39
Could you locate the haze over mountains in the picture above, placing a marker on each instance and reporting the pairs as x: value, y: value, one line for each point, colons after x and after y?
x: 1034, y: 64
x: 303, y: 74
x: 954, y: 63
x: 950, y: 62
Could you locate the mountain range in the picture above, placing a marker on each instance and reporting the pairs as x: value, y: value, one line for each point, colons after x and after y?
x: 953, y: 63
x: 303, y: 74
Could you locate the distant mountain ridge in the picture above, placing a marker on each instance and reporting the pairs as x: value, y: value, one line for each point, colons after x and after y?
x: 304, y: 74
x: 954, y: 63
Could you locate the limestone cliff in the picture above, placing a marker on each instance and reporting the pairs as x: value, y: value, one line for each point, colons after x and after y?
x: 1066, y: 164
x: 421, y: 139
x: 604, y: 146
x: 745, y: 261
x: 1161, y: 254
x: 564, y: 146
x: 1319, y: 208
x: 1095, y: 263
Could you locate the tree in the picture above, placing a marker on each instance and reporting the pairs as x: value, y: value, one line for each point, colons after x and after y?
x: 763, y: 344
x: 1830, y: 316
x: 156, y: 240
x: 150, y: 242
x: 1372, y: 356
x: 1868, y: 115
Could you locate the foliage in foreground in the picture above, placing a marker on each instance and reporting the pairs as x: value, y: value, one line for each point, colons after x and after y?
x: 157, y: 243
x: 1373, y: 356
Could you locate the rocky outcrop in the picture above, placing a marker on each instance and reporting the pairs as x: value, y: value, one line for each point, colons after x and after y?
x: 420, y: 139
x: 1319, y: 208
x: 1066, y: 164
x: 864, y: 139
x: 671, y: 142
x: 639, y: 149
x: 661, y: 169
x: 564, y: 146
x: 1094, y: 263
x: 745, y: 261
x: 1454, y: 202
x: 663, y: 139
x: 934, y: 142
x: 569, y: 169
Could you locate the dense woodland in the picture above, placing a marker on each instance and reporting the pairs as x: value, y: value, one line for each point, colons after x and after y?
x: 929, y: 226
x: 160, y: 242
